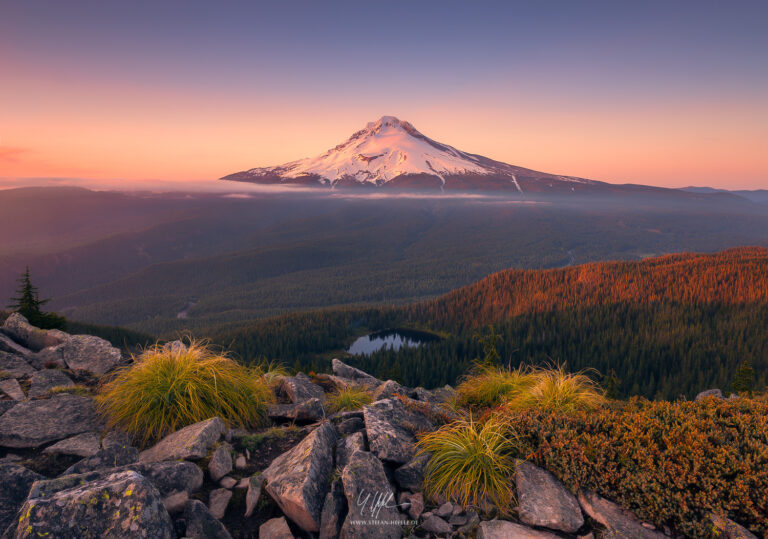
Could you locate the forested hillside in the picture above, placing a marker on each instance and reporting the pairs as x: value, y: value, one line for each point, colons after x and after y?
x: 660, y: 327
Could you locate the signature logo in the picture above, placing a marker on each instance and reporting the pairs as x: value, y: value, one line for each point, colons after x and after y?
x: 374, y: 502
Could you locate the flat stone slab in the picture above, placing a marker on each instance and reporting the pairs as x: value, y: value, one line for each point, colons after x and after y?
x: 86, y: 444
x: 389, y: 425
x: 503, y: 529
x: 617, y: 519
x: 544, y: 501
x: 84, y: 352
x: 343, y: 370
x: 309, y: 411
x: 275, y: 528
x: 192, y: 442
x: 11, y: 387
x: 37, y: 422
x: 45, y: 380
x: 300, y: 388
x: 15, y: 365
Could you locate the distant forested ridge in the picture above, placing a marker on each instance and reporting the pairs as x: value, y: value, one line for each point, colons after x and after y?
x: 662, y: 327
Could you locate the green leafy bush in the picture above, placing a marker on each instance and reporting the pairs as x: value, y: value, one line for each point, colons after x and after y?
x: 670, y: 462
x: 167, y: 389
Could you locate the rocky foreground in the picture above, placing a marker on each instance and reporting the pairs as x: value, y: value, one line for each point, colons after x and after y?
x: 352, y: 474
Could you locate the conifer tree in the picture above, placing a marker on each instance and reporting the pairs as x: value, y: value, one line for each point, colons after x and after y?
x: 28, y: 304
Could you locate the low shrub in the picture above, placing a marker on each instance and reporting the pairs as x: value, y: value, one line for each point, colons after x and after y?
x: 670, y: 462
x: 167, y: 389
x: 471, y: 462
x: 348, y: 398
x: 558, y: 390
x: 488, y: 385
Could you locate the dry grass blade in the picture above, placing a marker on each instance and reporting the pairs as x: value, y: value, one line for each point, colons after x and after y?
x: 487, y: 386
x: 558, y: 390
x: 348, y: 398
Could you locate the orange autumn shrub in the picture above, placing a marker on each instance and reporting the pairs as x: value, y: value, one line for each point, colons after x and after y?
x: 670, y: 462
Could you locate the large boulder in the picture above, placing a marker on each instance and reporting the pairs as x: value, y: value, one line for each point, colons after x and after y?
x: 343, y: 370
x: 86, y: 444
x: 617, y: 519
x: 84, y: 352
x: 104, y: 459
x: 388, y: 389
x: 43, y: 381
x: 391, y: 428
x: 334, y: 509
x: 14, y: 487
x: 309, y: 411
x: 300, y: 388
x: 191, y: 442
x: 20, y: 330
x: 503, y: 529
x: 121, y: 504
x: 410, y: 476
x: 709, y: 393
x: 370, y: 499
x: 15, y: 365
x: 37, y: 422
x: 298, y: 479
x: 201, y: 524
x: 544, y: 501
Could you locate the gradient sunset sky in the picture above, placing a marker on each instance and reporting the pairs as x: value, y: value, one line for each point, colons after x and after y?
x: 128, y: 94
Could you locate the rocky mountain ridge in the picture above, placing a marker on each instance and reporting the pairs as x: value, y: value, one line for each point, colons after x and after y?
x: 354, y: 474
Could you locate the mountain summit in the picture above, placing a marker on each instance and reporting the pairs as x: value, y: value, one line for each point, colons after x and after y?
x: 392, y: 153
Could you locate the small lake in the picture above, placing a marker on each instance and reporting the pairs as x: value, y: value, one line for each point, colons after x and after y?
x: 394, y: 339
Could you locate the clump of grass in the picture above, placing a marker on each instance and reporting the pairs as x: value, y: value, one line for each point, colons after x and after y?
x: 471, y: 462
x: 77, y: 389
x: 558, y: 390
x: 488, y: 385
x: 165, y: 390
x: 348, y: 398
x: 252, y: 442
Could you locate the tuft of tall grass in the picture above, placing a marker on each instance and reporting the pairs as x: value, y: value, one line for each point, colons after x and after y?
x: 471, y: 462
x: 557, y: 390
x: 487, y: 385
x: 348, y: 398
x: 167, y: 389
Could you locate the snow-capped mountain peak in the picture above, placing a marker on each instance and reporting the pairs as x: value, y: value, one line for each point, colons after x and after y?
x: 393, y: 152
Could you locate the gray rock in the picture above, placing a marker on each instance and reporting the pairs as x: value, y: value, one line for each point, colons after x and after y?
x: 275, y: 528
x: 6, y: 405
x: 191, y: 442
x: 300, y: 388
x: 228, y: 482
x: 174, y: 503
x: 445, y: 510
x: 457, y: 520
x: 350, y: 425
x: 308, y: 411
x: 20, y: 330
x: 346, y: 446
x: 221, y: 462
x: 11, y: 387
x: 544, y: 501
x: 15, y: 365
x: 617, y: 519
x: 14, y: 487
x: 175, y: 347
x: 115, y: 438
x: 255, y: 482
x: 343, y: 370
x: 370, y: 499
x: 45, y: 380
x: 502, y: 529
x: 473, y: 520
x: 387, y: 390
x: 410, y: 476
x: 86, y: 444
x: 415, y: 503
x: 201, y: 524
x: 390, y: 426
x: 729, y: 529
x: 105, y: 459
x: 334, y: 508
x: 241, y: 463
x: 218, y: 501
x: 84, y: 352
x: 117, y: 505
x: 243, y: 483
x: 435, y: 524
x: 37, y: 422
x: 298, y: 479
x: 716, y: 393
